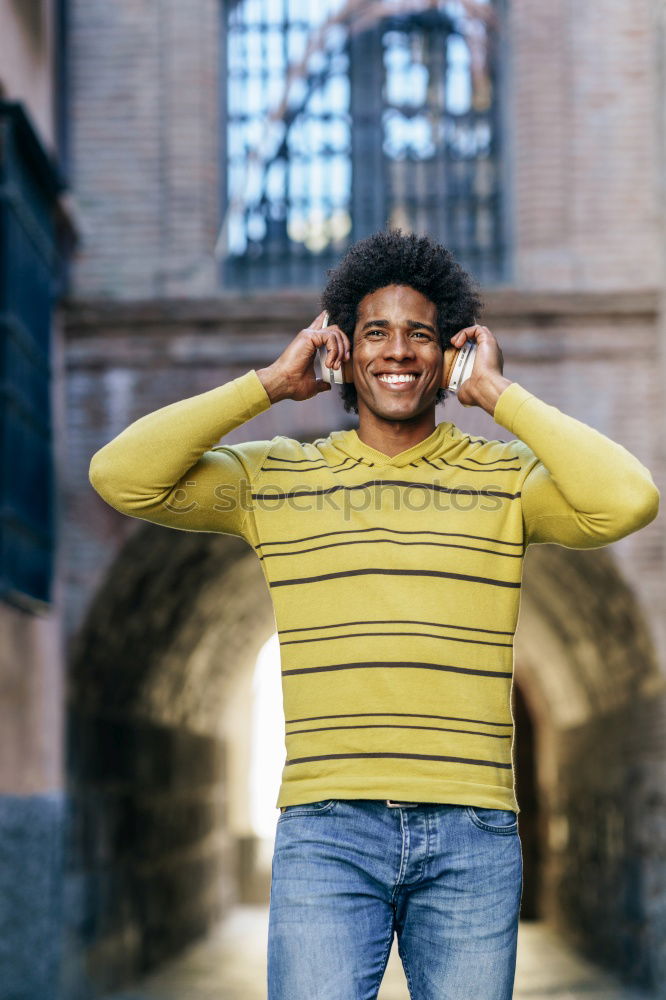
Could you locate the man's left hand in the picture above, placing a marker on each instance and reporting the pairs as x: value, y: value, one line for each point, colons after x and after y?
x: 486, y: 383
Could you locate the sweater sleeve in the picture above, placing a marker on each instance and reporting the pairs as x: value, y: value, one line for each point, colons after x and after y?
x: 163, y: 467
x: 582, y: 490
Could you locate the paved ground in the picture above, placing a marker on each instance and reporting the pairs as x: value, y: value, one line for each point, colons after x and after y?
x: 231, y: 965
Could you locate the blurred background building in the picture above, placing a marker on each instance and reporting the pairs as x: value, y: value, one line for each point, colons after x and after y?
x: 176, y: 180
x: 37, y: 232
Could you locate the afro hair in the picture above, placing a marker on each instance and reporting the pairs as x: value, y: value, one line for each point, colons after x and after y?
x: 393, y: 257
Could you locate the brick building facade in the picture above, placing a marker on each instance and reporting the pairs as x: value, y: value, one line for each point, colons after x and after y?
x: 163, y: 627
x: 36, y: 227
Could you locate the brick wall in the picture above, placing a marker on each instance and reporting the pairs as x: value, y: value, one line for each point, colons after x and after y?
x: 583, y: 111
x: 144, y: 124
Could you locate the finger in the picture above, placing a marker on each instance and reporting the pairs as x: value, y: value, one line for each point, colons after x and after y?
x: 330, y: 348
x: 335, y: 348
x: 340, y: 348
x: 318, y: 322
x: 469, y: 333
x: 345, y: 343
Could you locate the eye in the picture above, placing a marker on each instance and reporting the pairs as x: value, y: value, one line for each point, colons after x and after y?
x: 417, y: 333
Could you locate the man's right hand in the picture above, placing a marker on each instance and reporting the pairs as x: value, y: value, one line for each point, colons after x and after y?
x: 292, y: 375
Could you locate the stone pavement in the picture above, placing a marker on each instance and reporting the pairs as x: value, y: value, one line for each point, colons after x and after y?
x: 231, y: 965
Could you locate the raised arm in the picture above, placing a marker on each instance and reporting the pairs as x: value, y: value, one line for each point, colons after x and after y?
x: 164, y: 468
x: 582, y: 489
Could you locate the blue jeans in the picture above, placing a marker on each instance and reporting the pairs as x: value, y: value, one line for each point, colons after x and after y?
x: 348, y: 873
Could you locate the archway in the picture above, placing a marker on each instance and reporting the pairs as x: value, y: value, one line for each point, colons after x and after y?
x: 587, y: 672
x: 159, y: 745
x: 527, y: 793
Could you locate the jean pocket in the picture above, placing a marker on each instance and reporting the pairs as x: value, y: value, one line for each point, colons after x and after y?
x: 493, y: 820
x: 308, y: 809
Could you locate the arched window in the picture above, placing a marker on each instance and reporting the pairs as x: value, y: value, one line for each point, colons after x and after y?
x: 345, y: 116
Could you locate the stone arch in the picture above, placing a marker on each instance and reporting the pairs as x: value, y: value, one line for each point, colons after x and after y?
x: 159, y: 697
x: 577, y: 608
x: 158, y: 705
x: 586, y: 669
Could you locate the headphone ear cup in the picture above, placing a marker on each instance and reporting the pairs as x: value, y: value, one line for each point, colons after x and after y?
x: 448, y: 360
x: 335, y: 376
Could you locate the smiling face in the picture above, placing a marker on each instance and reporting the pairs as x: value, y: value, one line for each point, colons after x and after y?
x: 396, y: 333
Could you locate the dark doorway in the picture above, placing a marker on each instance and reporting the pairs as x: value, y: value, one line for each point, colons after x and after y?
x: 527, y: 793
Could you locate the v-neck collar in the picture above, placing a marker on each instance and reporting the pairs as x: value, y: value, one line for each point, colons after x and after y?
x: 350, y: 443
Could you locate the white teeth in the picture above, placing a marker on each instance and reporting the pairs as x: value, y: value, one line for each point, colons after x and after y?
x: 397, y: 378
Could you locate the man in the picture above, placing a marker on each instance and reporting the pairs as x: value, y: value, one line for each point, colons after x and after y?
x: 393, y: 553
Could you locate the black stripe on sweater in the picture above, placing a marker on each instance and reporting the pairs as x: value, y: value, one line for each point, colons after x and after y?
x: 393, y: 531
x: 395, y: 621
x: 379, y: 571
x: 399, y: 664
x: 340, y: 467
x: 465, y: 468
x: 294, y: 461
x: 392, y: 541
x: 384, y: 635
x: 405, y: 715
x: 378, y: 725
x: 396, y: 756
x: 405, y: 484
x: 510, y: 458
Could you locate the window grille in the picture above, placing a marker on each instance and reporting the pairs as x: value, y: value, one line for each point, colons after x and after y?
x: 347, y: 116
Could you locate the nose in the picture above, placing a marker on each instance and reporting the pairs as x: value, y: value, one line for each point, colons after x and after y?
x: 399, y: 346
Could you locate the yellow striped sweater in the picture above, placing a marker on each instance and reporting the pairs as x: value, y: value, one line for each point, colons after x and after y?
x: 395, y: 580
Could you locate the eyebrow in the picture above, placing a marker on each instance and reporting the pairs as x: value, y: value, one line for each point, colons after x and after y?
x: 412, y: 323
